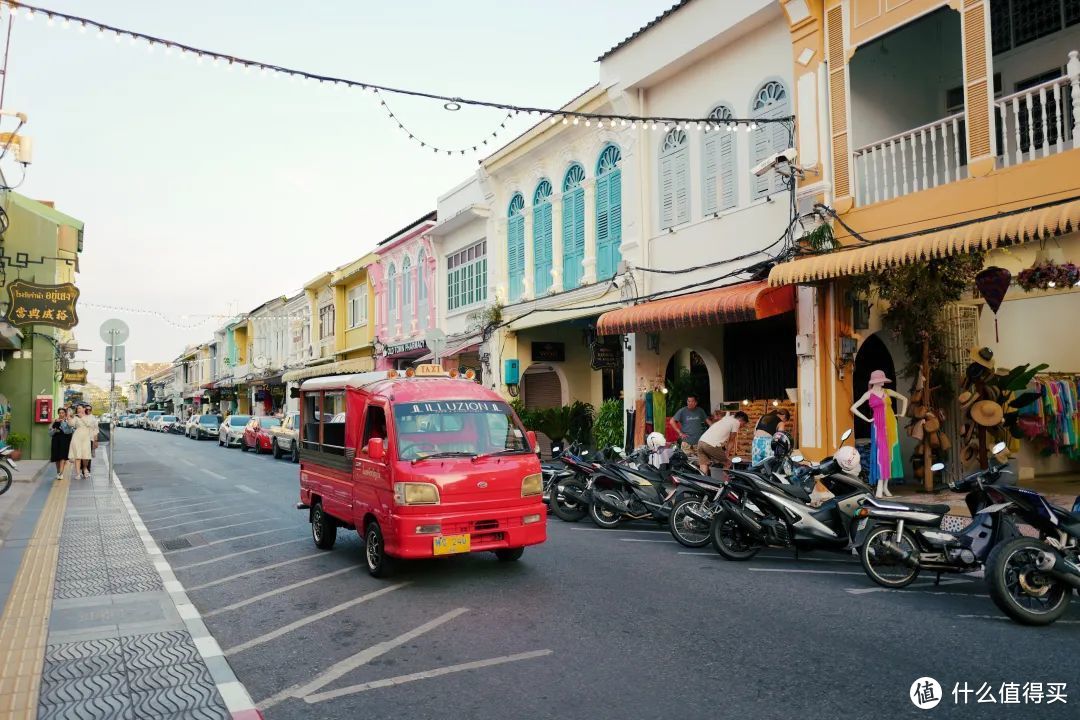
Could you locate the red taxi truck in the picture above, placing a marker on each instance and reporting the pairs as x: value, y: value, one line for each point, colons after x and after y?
x: 421, y: 463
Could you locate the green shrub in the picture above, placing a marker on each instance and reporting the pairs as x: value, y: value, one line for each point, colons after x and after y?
x: 608, y: 429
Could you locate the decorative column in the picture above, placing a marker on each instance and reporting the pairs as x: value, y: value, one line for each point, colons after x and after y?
x: 530, y: 259
x: 556, y: 242
x: 630, y: 371
x: 589, y: 262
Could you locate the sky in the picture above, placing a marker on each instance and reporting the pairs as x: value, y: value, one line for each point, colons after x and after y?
x: 209, y: 191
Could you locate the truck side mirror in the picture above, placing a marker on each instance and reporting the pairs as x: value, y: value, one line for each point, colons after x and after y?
x: 531, y: 436
x: 375, y: 449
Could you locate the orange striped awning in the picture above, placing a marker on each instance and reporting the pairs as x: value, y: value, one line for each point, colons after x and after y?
x: 732, y: 303
x: 996, y: 232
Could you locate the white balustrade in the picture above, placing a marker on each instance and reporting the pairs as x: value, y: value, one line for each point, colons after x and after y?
x: 910, y: 161
x: 1040, y: 120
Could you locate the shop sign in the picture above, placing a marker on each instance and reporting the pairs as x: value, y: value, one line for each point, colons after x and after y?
x: 228, y: 394
x: 606, y: 357
x: 406, y: 347
x: 33, y: 304
x: 548, y: 351
x: 74, y: 377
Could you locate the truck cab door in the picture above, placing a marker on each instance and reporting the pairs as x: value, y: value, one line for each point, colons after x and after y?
x: 371, y: 477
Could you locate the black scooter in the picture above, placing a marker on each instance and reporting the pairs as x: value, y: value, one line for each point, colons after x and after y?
x: 636, y: 490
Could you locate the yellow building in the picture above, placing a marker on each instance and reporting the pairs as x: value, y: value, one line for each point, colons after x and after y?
x: 933, y: 128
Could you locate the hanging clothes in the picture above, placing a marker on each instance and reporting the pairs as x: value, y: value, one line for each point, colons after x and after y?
x: 885, y: 460
x: 659, y: 412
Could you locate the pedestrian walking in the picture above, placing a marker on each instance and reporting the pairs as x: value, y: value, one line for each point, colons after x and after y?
x: 712, y: 447
x: 689, y: 421
x: 81, y: 442
x: 95, y: 436
x: 61, y: 432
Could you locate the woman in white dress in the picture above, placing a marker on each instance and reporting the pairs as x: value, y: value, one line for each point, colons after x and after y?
x: 81, y: 441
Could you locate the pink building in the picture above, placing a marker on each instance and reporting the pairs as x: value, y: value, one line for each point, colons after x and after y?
x: 404, y: 282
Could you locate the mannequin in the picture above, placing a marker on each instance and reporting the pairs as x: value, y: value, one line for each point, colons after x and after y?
x: 885, y: 460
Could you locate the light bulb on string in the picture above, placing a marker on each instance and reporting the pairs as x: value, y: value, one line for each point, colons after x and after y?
x: 564, y: 121
x: 66, y: 24
x: 51, y: 21
x: 29, y: 14
x: 82, y: 27
x: 575, y: 120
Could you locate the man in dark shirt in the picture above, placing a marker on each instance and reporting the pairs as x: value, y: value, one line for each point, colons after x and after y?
x: 690, y: 421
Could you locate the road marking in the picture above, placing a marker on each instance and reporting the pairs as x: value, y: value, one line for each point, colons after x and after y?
x: 945, y: 581
x: 159, y: 505
x: 185, y: 514
x: 246, y: 489
x: 199, y: 520
x: 224, y: 527
x: 1002, y: 617
x: 648, y: 541
x: 805, y: 572
x: 237, y: 554
x: 225, y: 540
x: 255, y: 571
x: 423, y: 675
x: 274, y: 634
x: 615, y: 530
x: 770, y: 557
x: 187, y: 462
x: 352, y: 662
x: 279, y: 591
x: 211, y: 473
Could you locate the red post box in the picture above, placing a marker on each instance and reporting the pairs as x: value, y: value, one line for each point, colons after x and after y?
x: 43, y: 409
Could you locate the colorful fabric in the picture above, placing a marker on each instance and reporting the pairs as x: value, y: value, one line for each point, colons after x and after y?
x: 659, y: 410
x: 760, y: 449
x: 885, y: 459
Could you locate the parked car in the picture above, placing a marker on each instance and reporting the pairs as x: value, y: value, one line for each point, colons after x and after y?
x: 164, y: 423
x: 131, y: 420
x: 257, y: 434
x: 287, y: 437
x: 231, y: 432
x: 203, y: 426
x: 147, y: 420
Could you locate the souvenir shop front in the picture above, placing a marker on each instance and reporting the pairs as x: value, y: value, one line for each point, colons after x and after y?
x: 267, y: 396
x: 731, y: 347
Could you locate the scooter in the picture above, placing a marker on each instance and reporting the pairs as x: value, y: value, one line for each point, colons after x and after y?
x: 570, y: 497
x: 635, y: 489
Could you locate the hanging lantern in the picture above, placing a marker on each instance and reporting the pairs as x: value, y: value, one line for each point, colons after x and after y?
x: 993, y: 283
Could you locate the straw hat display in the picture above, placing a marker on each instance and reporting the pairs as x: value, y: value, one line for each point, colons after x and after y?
x: 926, y: 426
x: 987, y: 413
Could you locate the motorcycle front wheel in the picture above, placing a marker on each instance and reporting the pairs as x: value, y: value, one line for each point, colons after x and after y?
x: 565, y: 507
x: 881, y: 565
x: 1019, y: 589
x: 685, y: 528
x: 602, y: 516
x: 730, y: 539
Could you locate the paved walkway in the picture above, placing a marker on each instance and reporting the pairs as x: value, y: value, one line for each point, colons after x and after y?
x: 95, y: 624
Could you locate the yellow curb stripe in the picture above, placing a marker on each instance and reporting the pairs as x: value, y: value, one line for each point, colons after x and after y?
x: 24, y: 626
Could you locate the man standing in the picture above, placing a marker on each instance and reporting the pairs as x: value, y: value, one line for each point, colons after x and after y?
x: 713, y: 446
x: 690, y: 421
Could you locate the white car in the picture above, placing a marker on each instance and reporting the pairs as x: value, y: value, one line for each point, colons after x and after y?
x: 146, y: 422
x: 231, y: 432
x: 163, y: 423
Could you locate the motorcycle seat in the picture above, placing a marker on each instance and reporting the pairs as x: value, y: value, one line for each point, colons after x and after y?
x: 933, y: 509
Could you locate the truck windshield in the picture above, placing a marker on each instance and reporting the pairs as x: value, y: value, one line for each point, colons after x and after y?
x: 465, y: 427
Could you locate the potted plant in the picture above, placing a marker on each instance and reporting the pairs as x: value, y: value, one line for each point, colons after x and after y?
x: 17, y: 441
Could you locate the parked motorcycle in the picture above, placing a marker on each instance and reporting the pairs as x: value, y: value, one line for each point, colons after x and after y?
x: 7, y: 466
x: 760, y: 510
x: 897, y: 540
x: 568, y: 493
x: 635, y: 489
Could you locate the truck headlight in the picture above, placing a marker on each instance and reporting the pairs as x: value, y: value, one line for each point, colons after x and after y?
x: 413, y: 493
x: 532, y: 485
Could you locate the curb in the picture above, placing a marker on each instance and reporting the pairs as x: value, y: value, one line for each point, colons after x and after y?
x: 236, y: 697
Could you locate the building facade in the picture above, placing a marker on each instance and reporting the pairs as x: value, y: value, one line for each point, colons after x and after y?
x: 403, y: 279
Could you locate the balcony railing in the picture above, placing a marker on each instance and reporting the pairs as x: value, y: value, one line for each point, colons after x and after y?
x: 1040, y: 120
x: 913, y: 160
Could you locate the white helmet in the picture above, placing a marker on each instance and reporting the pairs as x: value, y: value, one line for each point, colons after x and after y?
x: 655, y: 441
x: 848, y: 459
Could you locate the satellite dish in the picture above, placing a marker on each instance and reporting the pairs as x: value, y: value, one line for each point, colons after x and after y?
x: 114, y: 331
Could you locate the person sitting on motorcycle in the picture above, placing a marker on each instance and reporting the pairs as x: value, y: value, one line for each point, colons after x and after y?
x: 714, y: 443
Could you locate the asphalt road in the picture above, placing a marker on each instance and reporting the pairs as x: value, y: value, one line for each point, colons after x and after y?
x: 592, y: 624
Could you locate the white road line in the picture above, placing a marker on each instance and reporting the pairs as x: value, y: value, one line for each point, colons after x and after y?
x: 648, y: 541
x: 769, y: 557
x: 216, y: 505
x: 944, y: 581
x: 211, y: 473
x: 187, y: 462
x: 805, y: 572
x: 159, y: 505
x: 1002, y: 617
x: 224, y: 527
x: 423, y: 675
x: 199, y: 520
x: 225, y: 540
x: 255, y: 642
x: 246, y: 489
x: 211, y: 561
x: 255, y: 571
x: 352, y: 662
x: 618, y: 530
x: 278, y: 591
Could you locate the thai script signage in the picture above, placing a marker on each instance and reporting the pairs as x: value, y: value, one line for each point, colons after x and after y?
x: 33, y: 304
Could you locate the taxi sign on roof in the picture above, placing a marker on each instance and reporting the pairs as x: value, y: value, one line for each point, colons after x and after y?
x: 430, y: 371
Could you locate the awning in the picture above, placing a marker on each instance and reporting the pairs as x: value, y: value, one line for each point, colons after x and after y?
x: 1022, y: 227
x: 459, y: 347
x: 732, y: 303
x: 341, y: 367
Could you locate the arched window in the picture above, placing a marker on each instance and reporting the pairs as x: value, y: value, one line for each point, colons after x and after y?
x: 515, y: 246
x: 608, y: 212
x: 573, y: 226
x: 542, y: 237
x: 674, y: 179
x: 391, y: 291
x: 771, y: 101
x: 718, y: 178
x: 406, y: 288
x: 421, y: 276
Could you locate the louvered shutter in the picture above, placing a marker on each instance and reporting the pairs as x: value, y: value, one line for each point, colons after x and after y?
x: 515, y: 256
x: 761, y: 148
x: 603, y: 230
x: 542, y: 389
x: 667, y: 193
x: 615, y: 217
x: 573, y: 237
x: 779, y: 135
x: 709, y: 171
x: 542, y: 245
x: 727, y: 171
x: 682, y: 186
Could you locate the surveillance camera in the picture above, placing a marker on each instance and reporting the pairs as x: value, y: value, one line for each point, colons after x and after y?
x: 785, y: 157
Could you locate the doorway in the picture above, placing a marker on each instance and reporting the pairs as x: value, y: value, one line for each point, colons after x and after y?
x: 872, y: 355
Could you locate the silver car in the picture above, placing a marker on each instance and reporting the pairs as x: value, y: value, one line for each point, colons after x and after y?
x: 231, y: 432
x: 203, y: 426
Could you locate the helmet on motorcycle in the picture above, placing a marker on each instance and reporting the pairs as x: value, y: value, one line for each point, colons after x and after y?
x: 848, y: 459
x: 781, y: 445
x: 655, y: 441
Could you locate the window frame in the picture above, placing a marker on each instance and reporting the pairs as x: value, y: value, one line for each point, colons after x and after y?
x: 318, y: 454
x: 771, y: 182
x: 464, y: 272
x: 356, y: 302
x: 674, y: 150
x: 327, y: 316
x: 725, y: 176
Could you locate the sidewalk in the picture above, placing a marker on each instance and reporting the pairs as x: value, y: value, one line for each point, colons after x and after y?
x: 95, y: 624
x: 1057, y: 491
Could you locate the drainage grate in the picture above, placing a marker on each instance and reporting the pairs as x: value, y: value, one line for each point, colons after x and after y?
x: 175, y: 543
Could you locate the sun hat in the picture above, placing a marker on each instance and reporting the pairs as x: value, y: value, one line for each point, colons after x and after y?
x: 965, y: 399
x: 932, y: 423
x: 918, y: 411
x: 987, y: 413
x: 878, y: 378
x: 968, y: 454
x: 984, y: 356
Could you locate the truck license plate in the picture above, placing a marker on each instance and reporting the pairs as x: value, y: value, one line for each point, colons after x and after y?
x: 451, y: 544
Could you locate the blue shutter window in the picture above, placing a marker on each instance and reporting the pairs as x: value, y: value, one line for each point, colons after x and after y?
x: 608, y: 212
x: 718, y: 181
x: 674, y: 179
x: 573, y: 223
x: 515, y: 247
x: 542, y: 237
x: 771, y: 101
